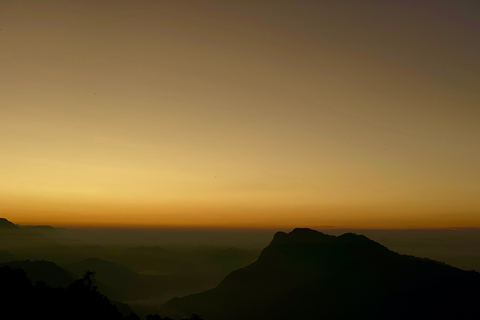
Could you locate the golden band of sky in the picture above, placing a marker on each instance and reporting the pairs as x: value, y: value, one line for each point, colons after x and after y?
x: 240, y: 113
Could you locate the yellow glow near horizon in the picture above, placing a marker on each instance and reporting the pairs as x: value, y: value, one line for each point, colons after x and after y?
x: 116, y: 113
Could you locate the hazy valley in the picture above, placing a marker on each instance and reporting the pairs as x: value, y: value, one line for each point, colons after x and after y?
x: 132, y: 267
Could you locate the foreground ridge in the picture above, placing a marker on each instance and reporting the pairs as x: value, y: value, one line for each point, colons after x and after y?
x: 306, y: 274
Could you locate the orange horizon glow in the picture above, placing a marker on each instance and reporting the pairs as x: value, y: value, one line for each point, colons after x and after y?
x: 247, y: 219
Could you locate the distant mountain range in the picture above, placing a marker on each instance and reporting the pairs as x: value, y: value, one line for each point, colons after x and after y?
x: 120, y: 283
x: 8, y: 225
x: 306, y: 274
x: 114, y: 280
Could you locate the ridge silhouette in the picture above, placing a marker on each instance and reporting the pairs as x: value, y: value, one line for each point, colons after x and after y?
x: 80, y: 300
x: 306, y: 274
x: 20, y: 299
x: 43, y: 271
x: 5, y: 224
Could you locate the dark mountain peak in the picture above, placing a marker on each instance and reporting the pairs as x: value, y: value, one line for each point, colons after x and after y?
x: 5, y: 224
x: 305, y: 235
x: 300, y: 235
x: 359, y: 240
x: 304, y: 230
x: 305, y: 274
x: 303, y: 244
x: 351, y: 237
x: 279, y: 237
x: 354, y: 236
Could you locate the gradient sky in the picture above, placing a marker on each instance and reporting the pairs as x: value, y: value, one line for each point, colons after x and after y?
x: 240, y: 113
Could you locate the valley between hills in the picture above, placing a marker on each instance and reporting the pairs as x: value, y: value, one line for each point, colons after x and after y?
x: 301, y: 274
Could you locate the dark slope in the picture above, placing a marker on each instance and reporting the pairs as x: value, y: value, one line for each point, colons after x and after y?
x: 43, y: 271
x: 113, y: 279
x: 309, y: 275
x: 123, y: 284
x: 15, y: 237
x: 7, y: 225
x: 20, y: 299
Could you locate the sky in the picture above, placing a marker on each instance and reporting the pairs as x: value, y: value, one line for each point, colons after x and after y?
x: 240, y: 114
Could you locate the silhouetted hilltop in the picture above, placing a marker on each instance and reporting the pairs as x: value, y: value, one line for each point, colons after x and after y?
x: 80, y: 300
x: 44, y: 271
x: 41, y: 229
x: 14, y: 236
x: 7, y: 225
x: 20, y: 298
x: 306, y: 274
x: 120, y: 283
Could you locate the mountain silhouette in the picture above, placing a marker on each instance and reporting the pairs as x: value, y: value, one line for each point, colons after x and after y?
x: 7, y: 225
x: 120, y: 283
x: 20, y: 299
x: 306, y: 274
x: 43, y: 271
x: 114, y: 280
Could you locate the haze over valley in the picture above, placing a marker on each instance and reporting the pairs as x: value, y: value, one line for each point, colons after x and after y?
x: 145, y: 269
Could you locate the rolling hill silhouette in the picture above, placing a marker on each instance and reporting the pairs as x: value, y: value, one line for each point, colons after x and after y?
x: 14, y: 236
x: 27, y: 295
x: 21, y: 299
x: 6, y: 224
x: 306, y: 274
x: 114, y: 280
x: 43, y: 271
x: 120, y: 283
